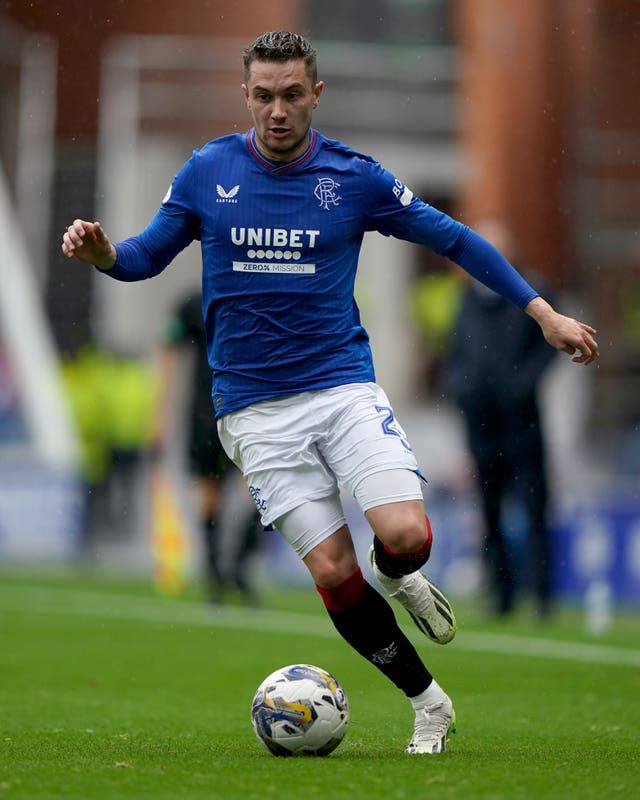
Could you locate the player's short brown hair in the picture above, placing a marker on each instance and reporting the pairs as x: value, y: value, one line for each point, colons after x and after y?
x: 281, y: 46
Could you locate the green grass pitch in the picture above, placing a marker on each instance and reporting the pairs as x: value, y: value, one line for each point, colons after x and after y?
x: 108, y: 691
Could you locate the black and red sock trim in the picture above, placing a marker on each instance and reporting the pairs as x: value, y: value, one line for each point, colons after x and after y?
x: 345, y: 594
x: 395, y: 565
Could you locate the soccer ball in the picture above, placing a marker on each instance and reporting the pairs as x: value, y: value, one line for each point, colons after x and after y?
x: 300, y: 709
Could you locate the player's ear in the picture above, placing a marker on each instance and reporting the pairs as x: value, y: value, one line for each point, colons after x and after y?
x: 245, y: 92
x: 317, y: 91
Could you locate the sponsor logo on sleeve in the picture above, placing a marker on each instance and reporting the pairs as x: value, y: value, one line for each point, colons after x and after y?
x: 402, y: 193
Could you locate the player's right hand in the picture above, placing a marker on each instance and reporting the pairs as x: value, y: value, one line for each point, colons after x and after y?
x: 88, y: 242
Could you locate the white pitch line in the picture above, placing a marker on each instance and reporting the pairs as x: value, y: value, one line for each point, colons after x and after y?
x: 96, y: 604
x: 88, y: 603
x: 560, y: 650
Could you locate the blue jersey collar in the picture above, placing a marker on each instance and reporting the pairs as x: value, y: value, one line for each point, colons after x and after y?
x: 278, y: 167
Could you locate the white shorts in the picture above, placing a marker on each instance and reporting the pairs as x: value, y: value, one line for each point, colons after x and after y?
x: 304, y: 447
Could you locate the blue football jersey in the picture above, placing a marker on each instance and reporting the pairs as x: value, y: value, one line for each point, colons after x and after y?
x: 280, y: 246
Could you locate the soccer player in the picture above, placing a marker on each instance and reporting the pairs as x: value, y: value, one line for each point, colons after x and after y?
x: 280, y: 212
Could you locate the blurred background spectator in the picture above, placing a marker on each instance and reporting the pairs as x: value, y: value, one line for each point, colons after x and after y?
x: 230, y: 541
x: 495, y: 365
x: 112, y: 398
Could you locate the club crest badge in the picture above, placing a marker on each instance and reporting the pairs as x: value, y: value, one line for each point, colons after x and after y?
x: 325, y: 192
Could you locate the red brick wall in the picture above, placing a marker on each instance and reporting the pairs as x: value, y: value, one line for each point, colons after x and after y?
x: 81, y: 29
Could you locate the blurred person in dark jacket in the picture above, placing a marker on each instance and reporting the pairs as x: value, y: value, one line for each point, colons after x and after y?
x: 494, y: 369
x: 207, y: 461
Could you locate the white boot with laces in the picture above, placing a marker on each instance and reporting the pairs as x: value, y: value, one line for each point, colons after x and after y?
x: 435, y: 719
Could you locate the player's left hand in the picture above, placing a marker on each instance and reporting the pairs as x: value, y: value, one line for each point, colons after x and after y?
x: 575, y: 338
x: 565, y: 333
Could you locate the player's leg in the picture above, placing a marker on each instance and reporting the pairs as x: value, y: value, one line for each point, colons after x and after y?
x: 401, y: 546
x: 361, y: 615
x: 364, y: 618
x: 368, y: 451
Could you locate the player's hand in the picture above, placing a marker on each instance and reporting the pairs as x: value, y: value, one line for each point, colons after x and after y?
x: 565, y: 333
x: 87, y: 242
x: 573, y: 337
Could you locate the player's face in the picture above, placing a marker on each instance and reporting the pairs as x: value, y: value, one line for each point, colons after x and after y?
x: 281, y: 98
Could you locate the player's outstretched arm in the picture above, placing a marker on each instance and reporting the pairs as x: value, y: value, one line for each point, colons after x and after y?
x: 87, y: 242
x: 564, y: 333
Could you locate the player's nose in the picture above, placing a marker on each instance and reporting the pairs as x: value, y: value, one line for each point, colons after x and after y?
x: 278, y: 110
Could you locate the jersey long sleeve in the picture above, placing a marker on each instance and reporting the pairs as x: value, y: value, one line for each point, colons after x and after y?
x: 280, y: 246
x: 173, y: 228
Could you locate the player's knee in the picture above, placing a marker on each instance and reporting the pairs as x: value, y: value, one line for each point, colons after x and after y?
x: 330, y: 572
x: 412, y: 535
x: 396, y: 562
